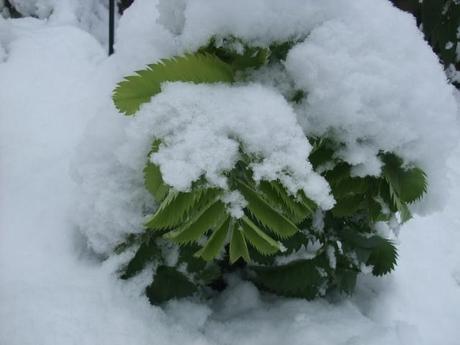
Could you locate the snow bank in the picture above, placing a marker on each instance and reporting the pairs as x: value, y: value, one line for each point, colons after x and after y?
x: 53, y: 290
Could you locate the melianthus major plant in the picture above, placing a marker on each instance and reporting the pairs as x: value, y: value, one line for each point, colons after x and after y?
x: 267, y: 244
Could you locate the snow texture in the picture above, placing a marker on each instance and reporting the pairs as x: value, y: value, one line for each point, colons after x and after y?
x: 66, y: 164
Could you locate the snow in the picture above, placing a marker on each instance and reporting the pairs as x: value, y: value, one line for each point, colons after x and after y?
x: 65, y: 161
x: 203, y: 126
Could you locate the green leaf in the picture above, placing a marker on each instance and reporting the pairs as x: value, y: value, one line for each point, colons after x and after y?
x: 209, y: 274
x: 299, y: 278
x: 383, y: 257
x: 192, y: 263
x: 321, y: 153
x: 349, y: 185
x: 377, y: 251
x: 168, y: 283
x: 238, y: 247
x: 191, y: 231
x: 275, y: 193
x: 154, y: 182
x: 346, y: 280
x: 266, y: 214
x: 348, y: 205
x: 408, y: 184
x: 279, y: 50
x: 176, y: 206
x: 141, y: 87
x: 263, y: 243
x: 215, y: 243
x: 251, y: 58
x: 145, y: 254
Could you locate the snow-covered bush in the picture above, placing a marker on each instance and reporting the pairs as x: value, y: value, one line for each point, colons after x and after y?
x: 239, y: 185
x: 286, y: 142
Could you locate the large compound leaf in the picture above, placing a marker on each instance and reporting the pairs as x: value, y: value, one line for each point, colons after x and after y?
x: 197, y: 68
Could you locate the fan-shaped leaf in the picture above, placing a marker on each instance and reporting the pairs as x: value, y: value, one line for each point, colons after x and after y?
x: 197, y: 68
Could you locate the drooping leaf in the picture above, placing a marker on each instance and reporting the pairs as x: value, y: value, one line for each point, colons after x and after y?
x: 168, y: 283
x: 137, y: 89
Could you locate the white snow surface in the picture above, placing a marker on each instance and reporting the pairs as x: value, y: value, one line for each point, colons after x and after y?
x: 63, y: 144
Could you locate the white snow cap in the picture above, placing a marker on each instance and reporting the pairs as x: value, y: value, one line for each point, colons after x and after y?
x: 202, y: 127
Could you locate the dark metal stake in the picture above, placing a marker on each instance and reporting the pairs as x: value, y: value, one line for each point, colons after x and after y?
x: 111, y: 25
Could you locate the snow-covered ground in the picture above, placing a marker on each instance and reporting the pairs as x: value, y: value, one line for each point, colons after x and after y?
x: 55, y: 87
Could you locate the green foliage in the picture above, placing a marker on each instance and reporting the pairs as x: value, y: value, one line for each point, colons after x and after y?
x: 440, y: 21
x: 169, y: 283
x: 189, y: 217
x: 137, y: 89
x: 301, y: 278
x: 276, y: 225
